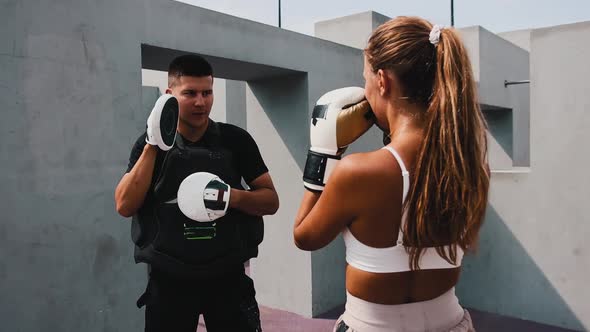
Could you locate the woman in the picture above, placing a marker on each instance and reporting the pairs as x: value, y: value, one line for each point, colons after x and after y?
x: 408, y: 211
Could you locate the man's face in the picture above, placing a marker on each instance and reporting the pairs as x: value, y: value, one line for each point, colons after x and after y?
x: 195, y: 99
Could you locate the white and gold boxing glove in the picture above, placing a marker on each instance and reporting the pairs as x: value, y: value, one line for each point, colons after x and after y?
x: 338, y: 119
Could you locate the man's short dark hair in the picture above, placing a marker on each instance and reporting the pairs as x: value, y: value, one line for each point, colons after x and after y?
x: 188, y: 65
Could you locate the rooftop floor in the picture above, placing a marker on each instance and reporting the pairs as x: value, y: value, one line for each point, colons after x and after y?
x: 274, y: 320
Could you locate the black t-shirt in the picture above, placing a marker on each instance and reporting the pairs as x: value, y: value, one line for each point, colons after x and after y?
x: 248, y: 161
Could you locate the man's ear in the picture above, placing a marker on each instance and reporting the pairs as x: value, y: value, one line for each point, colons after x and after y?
x: 168, y: 91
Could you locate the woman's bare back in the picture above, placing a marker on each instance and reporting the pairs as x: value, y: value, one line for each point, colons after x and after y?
x: 377, y: 226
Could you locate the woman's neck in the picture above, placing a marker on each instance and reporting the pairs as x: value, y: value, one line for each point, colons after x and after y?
x: 406, y: 119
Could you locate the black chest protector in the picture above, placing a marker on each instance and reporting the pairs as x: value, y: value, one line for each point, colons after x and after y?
x: 168, y: 240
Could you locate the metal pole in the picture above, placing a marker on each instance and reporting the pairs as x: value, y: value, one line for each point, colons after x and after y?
x: 452, y: 13
x: 279, y: 13
x: 507, y: 83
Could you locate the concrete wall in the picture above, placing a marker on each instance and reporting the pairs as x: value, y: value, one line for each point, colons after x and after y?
x: 353, y: 30
x: 520, y: 38
x: 73, y: 104
x: 534, y: 257
x: 71, y: 95
x: 278, y: 263
x: 495, y: 60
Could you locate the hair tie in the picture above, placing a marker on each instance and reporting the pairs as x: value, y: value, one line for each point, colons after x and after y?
x: 435, y: 34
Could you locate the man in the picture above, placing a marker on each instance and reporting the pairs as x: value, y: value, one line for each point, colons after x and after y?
x: 196, y: 265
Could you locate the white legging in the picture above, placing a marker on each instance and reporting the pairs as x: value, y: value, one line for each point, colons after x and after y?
x: 437, y: 315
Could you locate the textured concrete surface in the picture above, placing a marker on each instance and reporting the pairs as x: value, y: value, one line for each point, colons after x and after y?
x: 533, y: 259
x: 72, y: 103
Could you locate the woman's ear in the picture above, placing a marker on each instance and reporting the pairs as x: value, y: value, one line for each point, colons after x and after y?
x: 383, y: 82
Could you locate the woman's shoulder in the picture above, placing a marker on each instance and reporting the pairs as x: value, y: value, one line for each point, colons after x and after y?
x: 369, y: 165
x: 367, y: 173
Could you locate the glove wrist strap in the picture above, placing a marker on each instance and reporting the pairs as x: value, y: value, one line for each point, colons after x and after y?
x: 318, y: 168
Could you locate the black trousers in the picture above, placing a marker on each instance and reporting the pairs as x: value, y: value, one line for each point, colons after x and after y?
x: 227, y: 303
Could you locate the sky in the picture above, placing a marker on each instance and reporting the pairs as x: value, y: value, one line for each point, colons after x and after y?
x: 494, y: 15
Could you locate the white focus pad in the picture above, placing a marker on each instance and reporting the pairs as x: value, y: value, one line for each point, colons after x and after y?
x: 203, y: 197
x: 162, y: 122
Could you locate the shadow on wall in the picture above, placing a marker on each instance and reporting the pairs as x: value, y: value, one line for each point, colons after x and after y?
x: 502, y: 278
x: 500, y: 125
x: 284, y: 99
x: 285, y: 102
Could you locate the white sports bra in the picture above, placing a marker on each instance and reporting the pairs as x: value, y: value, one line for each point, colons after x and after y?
x: 393, y: 259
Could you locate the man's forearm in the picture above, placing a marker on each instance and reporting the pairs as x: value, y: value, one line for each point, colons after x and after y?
x: 259, y: 202
x: 132, y: 189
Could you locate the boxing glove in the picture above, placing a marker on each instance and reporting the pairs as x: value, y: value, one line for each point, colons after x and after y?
x: 203, y: 197
x: 162, y: 123
x: 338, y: 119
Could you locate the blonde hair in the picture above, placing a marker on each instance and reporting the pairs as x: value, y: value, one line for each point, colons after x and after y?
x: 449, y: 188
